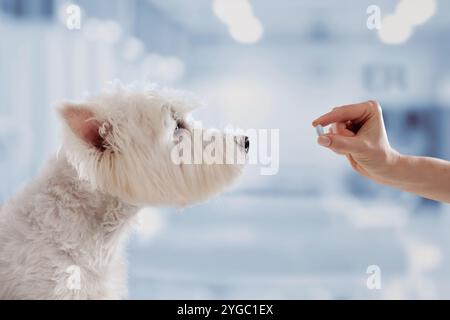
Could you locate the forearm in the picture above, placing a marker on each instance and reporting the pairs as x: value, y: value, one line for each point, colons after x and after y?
x: 427, y: 177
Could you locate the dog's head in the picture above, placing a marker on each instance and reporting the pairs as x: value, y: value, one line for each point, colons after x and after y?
x: 141, y: 146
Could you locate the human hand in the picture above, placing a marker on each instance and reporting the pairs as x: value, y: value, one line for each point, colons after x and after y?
x: 358, y: 132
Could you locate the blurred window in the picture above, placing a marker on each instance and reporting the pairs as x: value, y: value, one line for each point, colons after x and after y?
x: 37, y: 9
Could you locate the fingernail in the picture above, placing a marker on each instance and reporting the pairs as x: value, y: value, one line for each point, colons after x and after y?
x: 324, y: 141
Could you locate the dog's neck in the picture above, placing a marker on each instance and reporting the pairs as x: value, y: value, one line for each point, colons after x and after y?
x: 104, y: 215
x: 96, y: 223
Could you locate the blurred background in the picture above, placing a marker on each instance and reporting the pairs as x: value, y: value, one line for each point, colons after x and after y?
x: 311, y: 230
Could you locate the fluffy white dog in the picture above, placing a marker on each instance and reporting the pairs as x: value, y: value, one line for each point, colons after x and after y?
x: 73, y: 219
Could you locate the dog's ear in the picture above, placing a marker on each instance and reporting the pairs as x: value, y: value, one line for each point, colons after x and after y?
x: 83, y: 123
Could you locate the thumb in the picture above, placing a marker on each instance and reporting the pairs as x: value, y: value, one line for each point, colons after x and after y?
x: 341, y: 144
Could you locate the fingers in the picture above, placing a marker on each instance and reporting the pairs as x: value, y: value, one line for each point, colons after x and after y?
x: 341, y: 128
x: 354, y: 112
x: 342, y: 144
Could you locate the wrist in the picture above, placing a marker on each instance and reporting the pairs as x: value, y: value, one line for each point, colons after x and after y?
x: 388, y: 167
x: 394, y: 162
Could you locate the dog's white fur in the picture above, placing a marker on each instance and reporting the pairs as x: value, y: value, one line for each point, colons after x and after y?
x: 115, y: 159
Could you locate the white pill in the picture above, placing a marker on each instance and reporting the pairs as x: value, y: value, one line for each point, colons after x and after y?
x: 319, y: 130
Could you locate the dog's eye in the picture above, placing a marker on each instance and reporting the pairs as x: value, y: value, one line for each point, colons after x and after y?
x: 179, y: 125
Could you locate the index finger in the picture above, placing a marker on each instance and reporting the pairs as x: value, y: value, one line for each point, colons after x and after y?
x: 353, y: 112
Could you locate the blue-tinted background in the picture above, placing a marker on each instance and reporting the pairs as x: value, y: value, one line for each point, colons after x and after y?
x: 310, y: 231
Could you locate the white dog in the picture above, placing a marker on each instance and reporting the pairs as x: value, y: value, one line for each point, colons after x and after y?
x: 73, y: 219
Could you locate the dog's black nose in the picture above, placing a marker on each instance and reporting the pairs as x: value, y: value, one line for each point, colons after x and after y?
x: 246, y: 143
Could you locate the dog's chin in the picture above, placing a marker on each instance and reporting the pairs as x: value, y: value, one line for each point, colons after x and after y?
x: 214, y: 188
x: 198, y: 186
